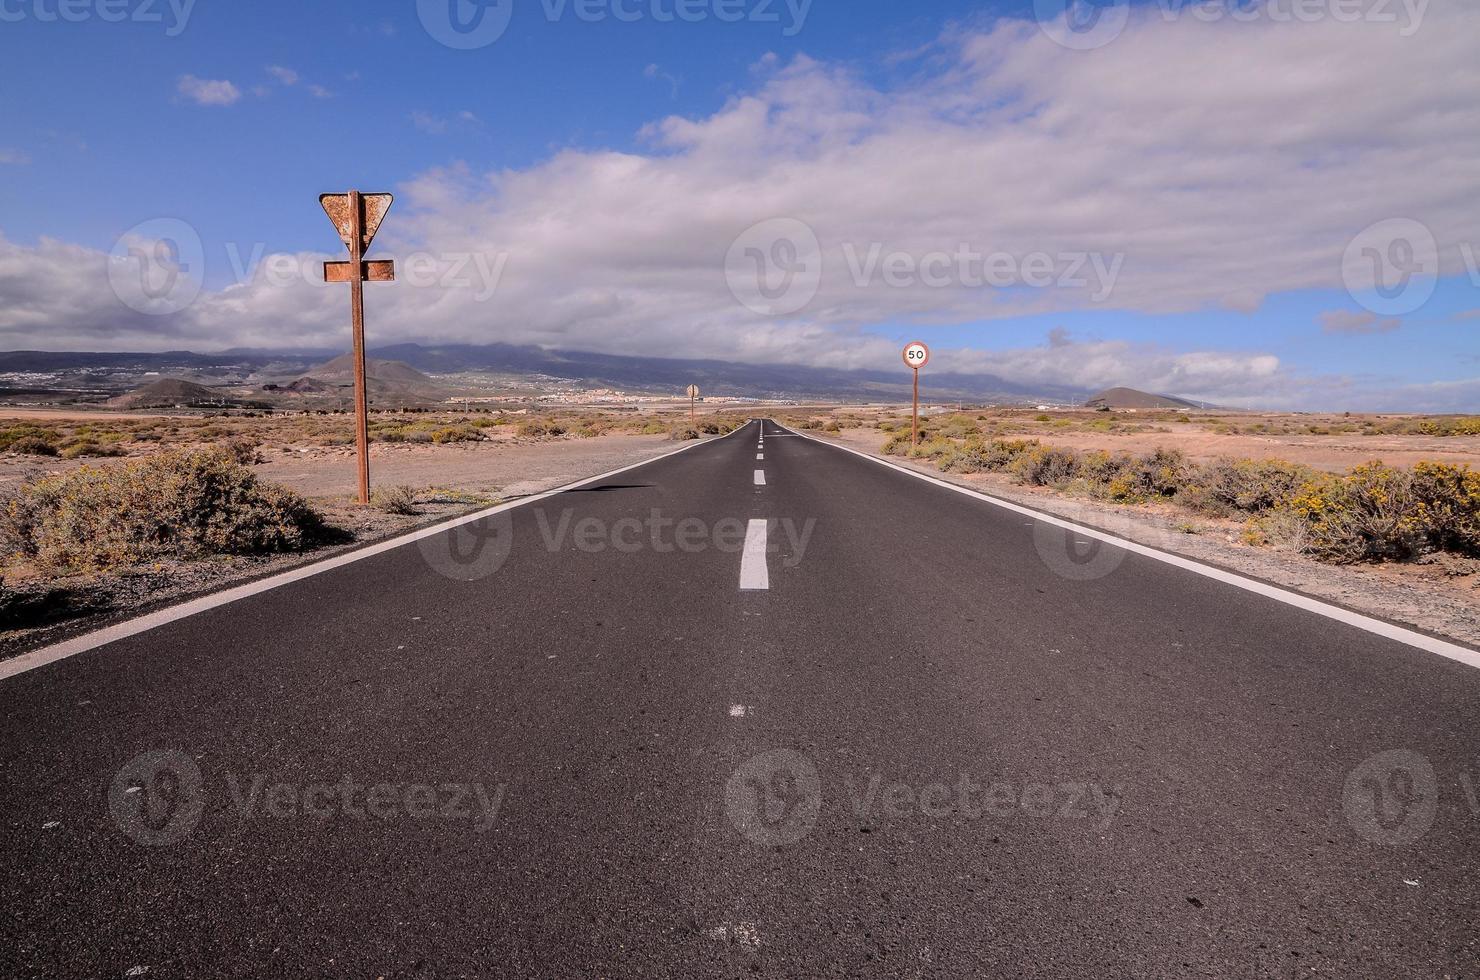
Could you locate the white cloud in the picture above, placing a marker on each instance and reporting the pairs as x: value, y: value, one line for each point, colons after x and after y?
x: 205, y: 91
x: 1219, y: 163
x: 286, y: 76
x: 13, y: 157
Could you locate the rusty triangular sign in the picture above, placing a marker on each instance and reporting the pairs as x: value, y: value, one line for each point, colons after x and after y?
x: 336, y: 206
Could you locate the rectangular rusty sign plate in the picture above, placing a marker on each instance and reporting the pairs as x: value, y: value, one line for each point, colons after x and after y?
x: 381, y: 270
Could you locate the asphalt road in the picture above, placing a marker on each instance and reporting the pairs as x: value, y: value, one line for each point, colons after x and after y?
x: 598, y: 735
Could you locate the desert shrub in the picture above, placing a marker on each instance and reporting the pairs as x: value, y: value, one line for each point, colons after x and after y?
x: 1045, y: 466
x: 832, y: 426
x: 709, y: 427
x: 683, y: 433
x: 395, y: 500
x: 539, y: 430
x: 897, y: 445
x: 33, y: 446
x: 1448, y: 499
x: 1161, y: 473
x: 654, y: 428
x: 86, y: 447
x: 171, y: 505
x: 986, y: 457
x: 1370, y: 514
x: 245, y: 451
x: 1245, y: 486
x: 936, y: 448
x: 456, y: 433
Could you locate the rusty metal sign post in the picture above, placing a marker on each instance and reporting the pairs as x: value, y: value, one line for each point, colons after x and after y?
x: 693, y: 397
x: 357, y: 218
x: 916, y: 356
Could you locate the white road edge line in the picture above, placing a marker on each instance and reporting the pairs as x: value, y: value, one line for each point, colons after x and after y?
x: 754, y: 575
x: 1391, y: 631
x: 133, y: 627
x: 760, y: 478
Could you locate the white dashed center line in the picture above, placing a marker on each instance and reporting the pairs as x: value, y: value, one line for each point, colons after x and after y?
x: 760, y: 455
x: 760, y: 478
x: 754, y: 575
x: 738, y: 710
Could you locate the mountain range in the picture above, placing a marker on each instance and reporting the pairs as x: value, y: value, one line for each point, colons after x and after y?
x: 514, y: 365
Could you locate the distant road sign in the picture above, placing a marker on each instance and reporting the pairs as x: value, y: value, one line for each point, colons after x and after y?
x: 374, y: 207
x: 916, y: 355
x: 693, y: 391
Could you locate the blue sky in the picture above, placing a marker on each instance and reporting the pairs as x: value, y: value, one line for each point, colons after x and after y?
x: 233, y: 118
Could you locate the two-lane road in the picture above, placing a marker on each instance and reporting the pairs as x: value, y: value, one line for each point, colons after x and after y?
x: 762, y: 707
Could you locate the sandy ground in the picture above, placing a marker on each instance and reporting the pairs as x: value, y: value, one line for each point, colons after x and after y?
x: 38, y: 612
x: 1441, y: 598
x: 506, y: 468
x: 1333, y: 452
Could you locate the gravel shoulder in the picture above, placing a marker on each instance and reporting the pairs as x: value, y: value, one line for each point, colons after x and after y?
x: 1441, y: 597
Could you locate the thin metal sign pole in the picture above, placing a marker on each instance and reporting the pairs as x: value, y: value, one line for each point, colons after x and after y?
x: 357, y: 318
x: 915, y: 418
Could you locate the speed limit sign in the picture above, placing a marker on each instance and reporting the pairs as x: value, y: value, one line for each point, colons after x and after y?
x: 916, y: 355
